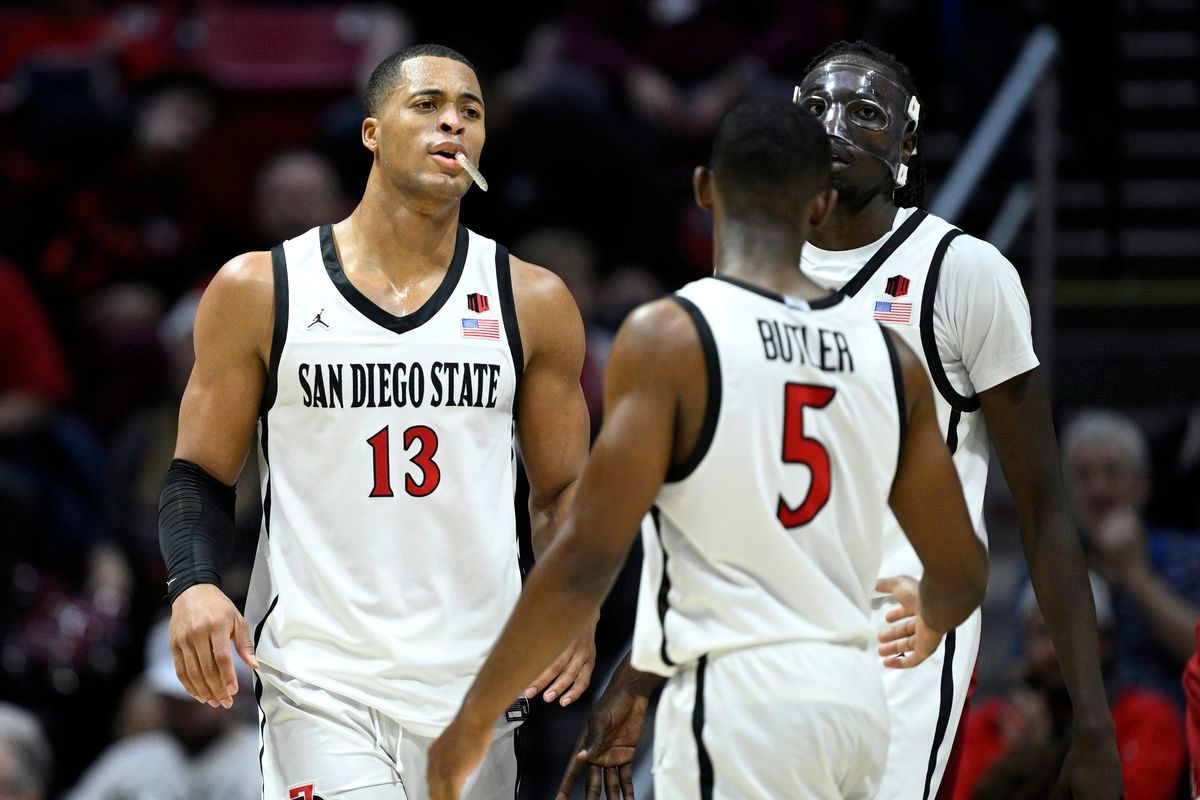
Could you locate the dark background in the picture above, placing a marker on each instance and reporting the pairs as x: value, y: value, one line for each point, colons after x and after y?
x: 144, y: 144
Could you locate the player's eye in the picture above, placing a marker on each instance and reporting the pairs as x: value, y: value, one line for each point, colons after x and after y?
x: 425, y: 105
x: 868, y: 115
x: 472, y: 112
x: 816, y: 105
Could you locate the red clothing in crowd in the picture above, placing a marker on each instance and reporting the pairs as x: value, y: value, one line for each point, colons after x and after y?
x: 1191, y: 688
x: 31, y: 359
x: 1149, y: 738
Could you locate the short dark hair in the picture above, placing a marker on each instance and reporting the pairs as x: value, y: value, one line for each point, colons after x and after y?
x: 913, y: 192
x: 770, y: 157
x: 383, y: 80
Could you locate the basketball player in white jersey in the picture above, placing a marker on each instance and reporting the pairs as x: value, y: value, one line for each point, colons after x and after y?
x: 769, y: 426
x: 959, y: 305
x: 386, y: 361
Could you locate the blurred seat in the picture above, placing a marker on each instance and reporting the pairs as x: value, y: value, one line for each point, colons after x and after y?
x: 272, y: 47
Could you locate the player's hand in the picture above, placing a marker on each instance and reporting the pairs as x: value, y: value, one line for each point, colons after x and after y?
x: 909, y: 641
x: 607, y: 745
x: 1092, y: 769
x: 453, y: 757
x: 571, y: 672
x: 203, y: 621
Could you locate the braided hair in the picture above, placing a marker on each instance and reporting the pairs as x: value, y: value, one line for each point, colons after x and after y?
x: 913, y: 192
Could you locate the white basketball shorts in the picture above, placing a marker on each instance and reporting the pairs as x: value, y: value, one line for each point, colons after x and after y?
x: 926, y: 706
x: 804, y: 721
x: 317, y: 745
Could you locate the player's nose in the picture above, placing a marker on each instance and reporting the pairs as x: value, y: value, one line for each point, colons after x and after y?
x: 450, y: 121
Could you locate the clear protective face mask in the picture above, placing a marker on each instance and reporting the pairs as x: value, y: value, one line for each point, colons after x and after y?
x: 864, y: 108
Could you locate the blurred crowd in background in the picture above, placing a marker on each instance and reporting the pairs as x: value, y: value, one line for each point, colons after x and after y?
x: 144, y: 144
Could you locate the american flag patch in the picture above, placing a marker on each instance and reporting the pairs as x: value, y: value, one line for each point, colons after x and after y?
x: 887, y: 311
x: 481, y: 328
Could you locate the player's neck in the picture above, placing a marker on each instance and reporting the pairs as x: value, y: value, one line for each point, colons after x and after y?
x: 763, y: 256
x: 397, y: 237
x: 850, y: 228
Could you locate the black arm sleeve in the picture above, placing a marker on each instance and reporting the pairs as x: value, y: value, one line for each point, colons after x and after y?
x: 195, y: 526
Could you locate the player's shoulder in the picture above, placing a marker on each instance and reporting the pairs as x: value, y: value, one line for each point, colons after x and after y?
x: 547, y: 316
x: 660, y: 331
x: 244, y: 277
x: 239, y: 302
x: 537, y: 285
x: 970, y: 258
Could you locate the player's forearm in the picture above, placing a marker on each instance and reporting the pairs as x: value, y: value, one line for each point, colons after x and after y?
x: 546, y: 517
x: 1059, y: 575
x: 561, y: 596
x: 1171, y: 617
x: 948, y: 599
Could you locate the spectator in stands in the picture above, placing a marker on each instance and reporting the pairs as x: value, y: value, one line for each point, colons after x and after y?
x: 295, y: 191
x: 1013, y: 747
x: 1154, y: 572
x: 203, y: 751
x: 25, y: 758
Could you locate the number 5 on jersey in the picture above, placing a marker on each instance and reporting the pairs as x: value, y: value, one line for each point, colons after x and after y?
x: 800, y: 449
x: 431, y: 475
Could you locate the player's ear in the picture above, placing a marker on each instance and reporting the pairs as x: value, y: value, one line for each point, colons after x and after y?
x: 820, y: 207
x: 370, y: 134
x: 702, y: 187
x: 908, y: 146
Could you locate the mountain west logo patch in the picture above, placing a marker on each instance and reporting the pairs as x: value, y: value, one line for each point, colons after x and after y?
x: 477, y: 302
x: 304, y: 792
x: 897, y: 286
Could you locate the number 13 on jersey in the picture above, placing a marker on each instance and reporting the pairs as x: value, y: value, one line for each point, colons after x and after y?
x: 431, y: 474
x: 801, y: 449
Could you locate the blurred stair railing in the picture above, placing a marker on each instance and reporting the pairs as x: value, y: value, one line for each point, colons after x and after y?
x: 1031, y: 82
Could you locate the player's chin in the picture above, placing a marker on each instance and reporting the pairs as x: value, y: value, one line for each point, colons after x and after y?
x: 446, y: 185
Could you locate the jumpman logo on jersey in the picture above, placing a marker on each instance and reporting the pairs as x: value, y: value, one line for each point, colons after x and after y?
x: 317, y: 319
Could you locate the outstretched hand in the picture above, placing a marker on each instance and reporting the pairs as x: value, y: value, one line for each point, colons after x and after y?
x: 909, y: 641
x: 607, y: 745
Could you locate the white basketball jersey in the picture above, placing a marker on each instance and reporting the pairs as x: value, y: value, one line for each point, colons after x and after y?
x: 771, y: 531
x: 387, y: 562
x: 897, y: 286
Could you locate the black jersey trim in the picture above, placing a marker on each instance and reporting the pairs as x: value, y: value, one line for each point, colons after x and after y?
x: 704, y: 761
x: 508, y: 312
x: 952, y: 430
x: 262, y: 623
x: 944, y: 709
x: 279, y: 330
x: 933, y: 359
x: 664, y: 586
x: 712, y: 410
x: 262, y: 729
x: 517, y: 758
x: 898, y: 381
x: 898, y: 237
x: 333, y: 266
x: 829, y: 300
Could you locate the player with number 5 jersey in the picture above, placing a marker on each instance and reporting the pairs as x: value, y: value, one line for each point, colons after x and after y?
x: 767, y: 428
